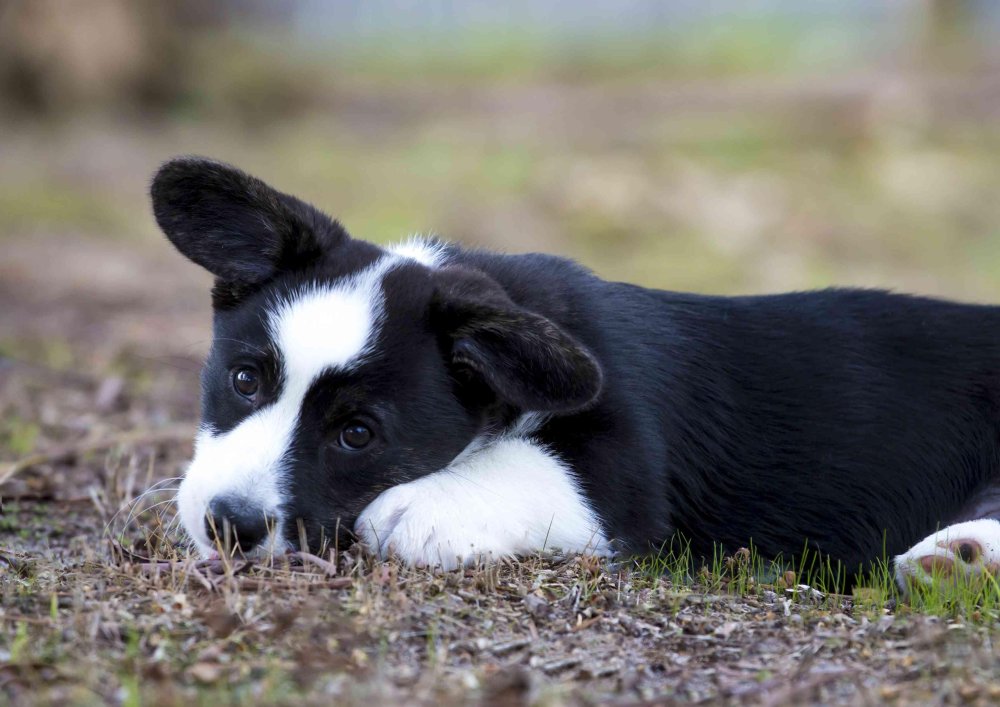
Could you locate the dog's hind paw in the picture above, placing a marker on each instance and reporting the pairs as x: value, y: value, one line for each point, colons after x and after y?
x: 960, y: 550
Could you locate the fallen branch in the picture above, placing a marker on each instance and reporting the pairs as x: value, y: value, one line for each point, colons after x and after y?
x: 254, y: 584
x: 210, y: 573
x: 557, y: 666
x: 309, y: 558
x: 510, y: 646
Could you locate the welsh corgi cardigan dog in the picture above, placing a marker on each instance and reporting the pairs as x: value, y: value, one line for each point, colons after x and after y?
x: 444, y: 404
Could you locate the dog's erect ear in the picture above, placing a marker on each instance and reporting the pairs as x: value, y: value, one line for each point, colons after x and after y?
x: 527, y: 360
x: 234, y: 225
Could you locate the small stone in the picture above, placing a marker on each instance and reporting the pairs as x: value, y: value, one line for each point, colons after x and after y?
x: 109, y: 394
x: 536, y: 606
x: 206, y: 673
x: 726, y: 630
x: 889, y: 693
x: 968, y: 693
x: 359, y: 657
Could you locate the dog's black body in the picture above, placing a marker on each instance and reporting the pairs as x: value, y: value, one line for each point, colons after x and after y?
x: 859, y: 420
x: 852, y: 420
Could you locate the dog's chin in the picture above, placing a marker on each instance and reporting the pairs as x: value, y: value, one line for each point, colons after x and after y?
x: 265, y: 553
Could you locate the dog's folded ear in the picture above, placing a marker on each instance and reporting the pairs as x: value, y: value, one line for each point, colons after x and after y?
x: 526, y: 359
x: 234, y: 225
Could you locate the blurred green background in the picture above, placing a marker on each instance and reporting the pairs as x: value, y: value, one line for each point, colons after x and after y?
x: 734, y: 146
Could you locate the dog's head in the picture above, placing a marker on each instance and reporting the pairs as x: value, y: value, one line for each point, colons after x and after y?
x: 339, y: 369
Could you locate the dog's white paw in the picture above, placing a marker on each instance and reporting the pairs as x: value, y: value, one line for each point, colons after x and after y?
x: 422, y: 527
x: 509, y: 499
x: 960, y: 550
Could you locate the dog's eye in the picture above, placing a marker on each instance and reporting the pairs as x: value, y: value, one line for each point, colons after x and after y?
x: 355, y: 436
x: 246, y: 382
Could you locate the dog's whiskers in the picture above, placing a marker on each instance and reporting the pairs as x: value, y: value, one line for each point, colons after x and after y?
x: 135, y: 505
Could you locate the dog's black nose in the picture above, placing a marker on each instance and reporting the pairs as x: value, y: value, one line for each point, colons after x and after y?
x: 237, y: 523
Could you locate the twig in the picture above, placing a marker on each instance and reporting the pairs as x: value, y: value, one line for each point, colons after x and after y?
x: 33, y: 620
x: 557, y: 666
x: 309, y: 558
x: 209, y: 573
x: 251, y: 584
x: 603, y: 671
x: 126, y: 555
x: 509, y: 646
x: 173, y: 433
x: 193, y: 573
x: 155, y: 567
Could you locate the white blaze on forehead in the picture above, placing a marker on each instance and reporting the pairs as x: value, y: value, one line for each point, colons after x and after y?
x: 324, y: 328
x: 321, y: 328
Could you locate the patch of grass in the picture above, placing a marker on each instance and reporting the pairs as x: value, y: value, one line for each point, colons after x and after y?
x: 18, y: 436
x: 812, y: 578
x: 19, y: 643
x: 250, y: 82
x: 741, y: 47
x: 52, y: 352
x: 47, y: 206
x: 974, y: 597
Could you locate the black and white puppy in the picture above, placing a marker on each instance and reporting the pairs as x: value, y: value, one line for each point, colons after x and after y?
x: 444, y: 404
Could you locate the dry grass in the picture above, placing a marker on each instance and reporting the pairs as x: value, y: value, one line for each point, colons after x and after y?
x: 95, y: 624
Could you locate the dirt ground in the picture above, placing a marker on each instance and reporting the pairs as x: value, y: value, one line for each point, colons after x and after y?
x: 102, y: 329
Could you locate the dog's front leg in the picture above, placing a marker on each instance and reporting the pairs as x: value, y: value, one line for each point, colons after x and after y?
x: 509, y: 498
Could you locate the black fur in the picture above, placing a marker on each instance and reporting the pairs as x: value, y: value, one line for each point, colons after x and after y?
x: 527, y: 360
x: 855, y: 421
x: 236, y: 227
